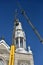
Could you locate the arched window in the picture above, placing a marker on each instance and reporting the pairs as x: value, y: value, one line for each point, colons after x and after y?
x: 17, y: 45
x: 1, y: 62
x: 21, y: 42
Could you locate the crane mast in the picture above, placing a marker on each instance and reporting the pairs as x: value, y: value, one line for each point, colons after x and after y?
x: 12, y: 49
x: 12, y: 55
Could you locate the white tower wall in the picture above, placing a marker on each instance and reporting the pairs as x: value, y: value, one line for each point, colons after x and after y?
x: 19, y: 36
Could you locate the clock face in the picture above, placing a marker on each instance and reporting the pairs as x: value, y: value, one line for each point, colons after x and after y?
x: 23, y: 62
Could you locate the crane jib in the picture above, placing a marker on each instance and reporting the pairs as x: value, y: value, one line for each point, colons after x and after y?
x: 32, y: 26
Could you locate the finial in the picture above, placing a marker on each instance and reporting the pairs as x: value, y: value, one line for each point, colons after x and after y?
x: 29, y: 49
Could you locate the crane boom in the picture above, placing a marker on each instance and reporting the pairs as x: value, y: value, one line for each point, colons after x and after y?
x: 32, y: 26
x: 29, y: 22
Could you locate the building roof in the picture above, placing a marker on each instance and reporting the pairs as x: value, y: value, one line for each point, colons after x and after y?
x: 4, y: 46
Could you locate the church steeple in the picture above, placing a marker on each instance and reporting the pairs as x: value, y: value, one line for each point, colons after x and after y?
x: 19, y: 38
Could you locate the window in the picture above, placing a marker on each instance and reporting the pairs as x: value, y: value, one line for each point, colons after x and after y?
x: 17, y: 45
x: 23, y: 63
x: 21, y: 42
x: 1, y: 62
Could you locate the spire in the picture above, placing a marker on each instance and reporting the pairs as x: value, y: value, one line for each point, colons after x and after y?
x: 19, y: 38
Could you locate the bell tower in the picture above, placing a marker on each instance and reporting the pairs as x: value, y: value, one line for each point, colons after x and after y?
x: 19, y: 38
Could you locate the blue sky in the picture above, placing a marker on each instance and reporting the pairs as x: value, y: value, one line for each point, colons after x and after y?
x: 34, y: 10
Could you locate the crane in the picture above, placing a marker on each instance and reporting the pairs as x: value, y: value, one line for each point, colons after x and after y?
x: 32, y: 26
x: 13, y: 48
x: 12, y: 55
x: 30, y: 23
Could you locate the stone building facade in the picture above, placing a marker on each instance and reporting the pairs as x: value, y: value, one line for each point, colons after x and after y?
x: 22, y: 56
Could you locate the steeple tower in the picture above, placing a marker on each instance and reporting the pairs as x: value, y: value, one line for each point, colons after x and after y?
x: 19, y: 38
x: 22, y: 56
